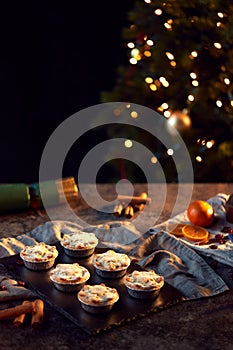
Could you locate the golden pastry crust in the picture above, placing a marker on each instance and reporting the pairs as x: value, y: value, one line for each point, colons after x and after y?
x: 40, y: 252
x: 79, y: 240
x: 144, y: 280
x: 69, y: 274
x: 111, y: 261
x: 98, y: 295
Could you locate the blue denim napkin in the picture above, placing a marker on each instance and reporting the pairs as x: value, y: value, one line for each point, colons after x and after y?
x: 183, y: 265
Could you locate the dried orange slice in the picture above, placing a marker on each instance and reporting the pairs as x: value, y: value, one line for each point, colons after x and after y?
x: 195, y: 233
x: 175, y: 229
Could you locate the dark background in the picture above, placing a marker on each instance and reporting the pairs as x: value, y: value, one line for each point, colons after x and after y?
x: 56, y: 59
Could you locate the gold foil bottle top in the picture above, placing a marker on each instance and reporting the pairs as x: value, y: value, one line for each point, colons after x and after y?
x: 55, y: 192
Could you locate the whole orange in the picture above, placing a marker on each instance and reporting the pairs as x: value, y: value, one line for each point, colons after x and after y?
x: 200, y: 213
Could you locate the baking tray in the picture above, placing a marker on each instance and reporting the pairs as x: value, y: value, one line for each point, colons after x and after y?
x: 125, y: 310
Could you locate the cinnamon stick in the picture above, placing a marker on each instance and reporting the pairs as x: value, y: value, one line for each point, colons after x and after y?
x: 18, y: 321
x: 118, y: 210
x: 38, y: 314
x: 139, y: 207
x: 16, y: 311
x: 129, y: 211
x: 143, y: 198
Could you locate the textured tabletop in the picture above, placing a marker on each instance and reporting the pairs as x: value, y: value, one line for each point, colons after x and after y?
x: 200, y: 324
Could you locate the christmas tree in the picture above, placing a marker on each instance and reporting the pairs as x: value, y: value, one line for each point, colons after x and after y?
x: 180, y: 64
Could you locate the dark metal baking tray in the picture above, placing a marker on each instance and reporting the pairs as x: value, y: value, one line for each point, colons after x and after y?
x: 125, y: 310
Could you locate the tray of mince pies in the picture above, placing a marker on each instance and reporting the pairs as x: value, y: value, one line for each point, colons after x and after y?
x: 97, y: 288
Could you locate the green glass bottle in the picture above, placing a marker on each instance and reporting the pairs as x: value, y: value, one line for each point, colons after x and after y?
x: 14, y: 197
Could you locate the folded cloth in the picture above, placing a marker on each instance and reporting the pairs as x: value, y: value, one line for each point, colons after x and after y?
x: 181, y: 266
x: 50, y: 232
x: 10, y: 289
x: 224, y: 252
x: 114, y: 235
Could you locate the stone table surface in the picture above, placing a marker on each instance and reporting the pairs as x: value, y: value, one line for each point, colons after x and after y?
x: 200, y: 324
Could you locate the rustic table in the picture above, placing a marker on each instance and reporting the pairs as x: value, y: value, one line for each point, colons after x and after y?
x: 199, y: 324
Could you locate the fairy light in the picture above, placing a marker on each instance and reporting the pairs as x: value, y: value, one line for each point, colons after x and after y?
x: 164, y: 81
x: 128, y: 143
x: 193, y: 75
x: 170, y: 151
x: 167, y: 26
x: 131, y: 45
x: 154, y: 160
x: 210, y: 143
x: 193, y: 54
x: 133, y: 60
x: 231, y: 103
x: 173, y: 63
x: 171, y: 121
x: 158, y: 12
x: 217, y: 45
x: 219, y: 103
x: 170, y: 56
x: 219, y: 24
x: 195, y: 83
x: 134, y: 52
x: 153, y: 87
x: 167, y: 114
x: 223, y: 68
x: 148, y: 80
x: 227, y: 81
x: 198, y: 159
x: 190, y: 98
x: 157, y: 83
x: 147, y: 1
x: 147, y: 53
x: 134, y: 114
x: 150, y: 42
x: 164, y: 105
x: 220, y: 14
